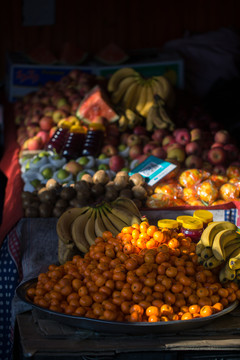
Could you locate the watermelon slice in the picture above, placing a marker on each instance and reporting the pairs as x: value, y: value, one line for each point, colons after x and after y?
x: 72, y: 54
x: 112, y: 55
x: 42, y: 55
x: 96, y: 103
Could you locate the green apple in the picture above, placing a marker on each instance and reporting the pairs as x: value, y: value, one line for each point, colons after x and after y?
x: 102, y: 156
x: 103, y: 167
x: 47, y: 173
x: 43, y: 153
x: 62, y: 174
x: 36, y: 160
x: 83, y: 160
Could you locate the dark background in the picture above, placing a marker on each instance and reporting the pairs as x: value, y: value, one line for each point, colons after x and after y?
x: 92, y: 25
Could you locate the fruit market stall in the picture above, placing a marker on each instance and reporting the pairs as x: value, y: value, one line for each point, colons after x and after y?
x: 96, y: 156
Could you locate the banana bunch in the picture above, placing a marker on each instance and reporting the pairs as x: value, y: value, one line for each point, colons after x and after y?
x: 128, y: 120
x: 220, y: 246
x: 77, y: 228
x: 157, y: 117
x: 132, y: 91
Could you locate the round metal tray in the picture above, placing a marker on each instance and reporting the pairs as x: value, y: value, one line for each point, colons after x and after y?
x: 135, y: 328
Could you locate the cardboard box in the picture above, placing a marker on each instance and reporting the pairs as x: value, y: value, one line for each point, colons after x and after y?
x: 23, y: 77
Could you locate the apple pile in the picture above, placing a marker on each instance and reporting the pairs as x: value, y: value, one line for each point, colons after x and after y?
x: 37, y: 114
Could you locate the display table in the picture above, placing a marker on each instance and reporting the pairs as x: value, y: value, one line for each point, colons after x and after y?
x: 39, y: 338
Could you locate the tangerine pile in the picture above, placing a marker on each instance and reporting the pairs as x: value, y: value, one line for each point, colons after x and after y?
x: 144, y: 274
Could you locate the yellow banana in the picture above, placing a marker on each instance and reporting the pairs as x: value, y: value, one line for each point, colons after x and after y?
x: 212, y: 262
x: 89, y: 230
x: 131, y: 96
x: 164, y: 86
x: 206, y: 253
x: 99, y: 225
x: 234, y: 263
x: 220, y: 241
x: 213, y: 228
x: 149, y: 101
x: 119, y: 93
x: 222, y: 276
x: 123, y: 123
x: 107, y: 223
x: 142, y: 97
x: 118, y: 76
x: 199, y: 248
x: 116, y: 220
x: 65, y: 221
x: 127, y: 204
x: 133, y: 118
x: 229, y: 273
x: 78, y: 229
x: 232, y: 247
x: 66, y: 251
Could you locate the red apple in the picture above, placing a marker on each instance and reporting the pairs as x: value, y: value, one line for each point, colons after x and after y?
x: 46, y: 123
x: 123, y: 138
x: 109, y: 150
x: 183, y: 136
x: 148, y: 148
x: 140, y: 130
x: 52, y: 131
x: 34, y: 143
x: 116, y: 163
x: 44, y: 135
x: 216, y: 144
x: 135, y: 151
x: 217, y: 156
x: 222, y: 136
x: 159, y: 152
x: 142, y: 158
x: 176, y: 151
x: 193, y: 161
x: 193, y: 148
x: 133, y: 139
x: 159, y: 134
x: 168, y: 140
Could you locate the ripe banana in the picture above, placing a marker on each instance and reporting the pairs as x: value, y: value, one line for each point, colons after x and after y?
x: 164, y: 86
x: 199, y: 248
x: 89, y: 230
x: 66, y: 251
x: 229, y: 273
x: 142, y: 97
x: 157, y: 117
x: 115, y: 217
x: 78, y: 231
x: 133, y: 118
x: 234, y: 263
x: 130, y: 97
x: 127, y: 204
x: 206, y: 253
x: 122, y: 123
x: 119, y: 75
x: 212, y: 262
x: 213, y: 228
x: 220, y: 241
x: 231, y: 248
x: 99, y: 225
x: 222, y: 276
x: 65, y: 221
x: 107, y: 223
x: 125, y: 83
x: 149, y: 101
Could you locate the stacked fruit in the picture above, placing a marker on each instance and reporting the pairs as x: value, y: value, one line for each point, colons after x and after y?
x: 219, y: 246
x: 145, y: 97
x: 77, y: 228
x: 143, y: 274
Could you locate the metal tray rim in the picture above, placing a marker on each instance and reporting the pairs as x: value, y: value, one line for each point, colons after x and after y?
x: 116, y: 326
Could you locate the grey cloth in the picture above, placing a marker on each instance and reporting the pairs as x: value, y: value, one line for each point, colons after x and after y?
x: 39, y: 249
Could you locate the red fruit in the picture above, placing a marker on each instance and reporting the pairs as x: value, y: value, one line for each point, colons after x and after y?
x: 135, y: 151
x: 183, y: 136
x: 193, y: 148
x: 116, y: 163
x: 222, y: 136
x: 34, y: 143
x: 44, y: 135
x: 46, y: 123
x: 217, y: 156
